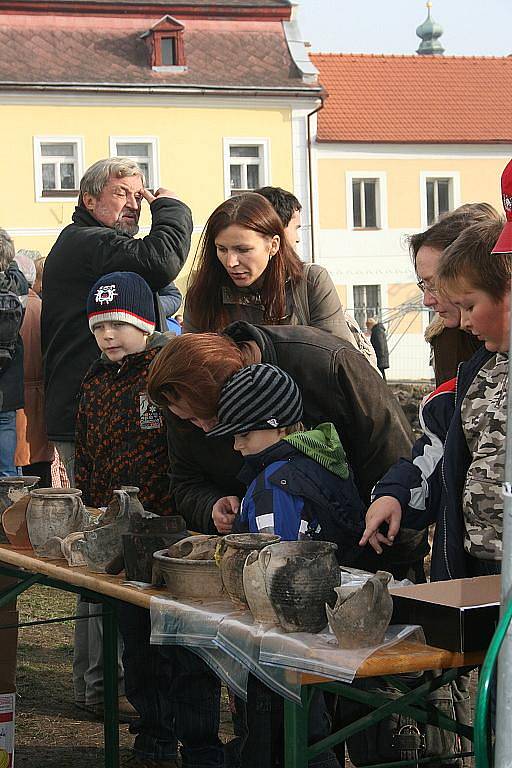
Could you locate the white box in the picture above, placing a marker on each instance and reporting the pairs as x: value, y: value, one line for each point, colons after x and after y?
x: 7, y: 721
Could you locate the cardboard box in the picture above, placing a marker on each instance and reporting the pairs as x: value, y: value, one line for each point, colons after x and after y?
x: 7, y: 722
x: 459, y: 615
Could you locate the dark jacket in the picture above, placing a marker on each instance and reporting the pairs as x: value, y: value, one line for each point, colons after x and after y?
x: 429, y: 487
x: 294, y: 496
x: 84, y: 251
x: 120, y: 435
x: 380, y: 345
x: 337, y: 384
x: 451, y: 347
x: 11, y: 380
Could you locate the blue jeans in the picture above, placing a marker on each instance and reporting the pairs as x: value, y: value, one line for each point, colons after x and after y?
x: 7, y: 443
x: 175, y: 694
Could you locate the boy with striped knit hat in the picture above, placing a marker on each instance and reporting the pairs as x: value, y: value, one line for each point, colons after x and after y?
x: 299, y: 483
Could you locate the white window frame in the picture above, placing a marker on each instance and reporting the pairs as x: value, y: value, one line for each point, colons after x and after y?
x: 246, y: 141
x: 38, y: 169
x: 453, y: 176
x: 381, y: 201
x: 154, y: 160
x: 355, y: 310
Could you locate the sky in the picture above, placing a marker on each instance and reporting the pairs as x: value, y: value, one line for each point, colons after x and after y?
x: 471, y: 27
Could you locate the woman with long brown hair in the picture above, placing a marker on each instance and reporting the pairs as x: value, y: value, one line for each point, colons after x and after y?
x: 248, y: 270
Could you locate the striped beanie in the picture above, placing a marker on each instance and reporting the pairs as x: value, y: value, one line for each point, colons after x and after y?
x: 257, y: 397
x: 122, y: 297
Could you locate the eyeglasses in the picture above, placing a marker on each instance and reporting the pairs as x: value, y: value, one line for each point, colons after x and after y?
x: 423, y: 286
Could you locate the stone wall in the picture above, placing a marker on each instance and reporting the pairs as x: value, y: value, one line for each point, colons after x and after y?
x: 409, y: 396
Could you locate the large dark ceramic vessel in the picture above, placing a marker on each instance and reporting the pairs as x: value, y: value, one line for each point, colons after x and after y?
x: 300, y: 577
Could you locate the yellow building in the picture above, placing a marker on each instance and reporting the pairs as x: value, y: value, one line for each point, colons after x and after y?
x: 399, y: 141
x: 210, y: 98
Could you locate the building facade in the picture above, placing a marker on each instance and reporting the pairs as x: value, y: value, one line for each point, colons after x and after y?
x: 211, y: 98
x: 400, y: 140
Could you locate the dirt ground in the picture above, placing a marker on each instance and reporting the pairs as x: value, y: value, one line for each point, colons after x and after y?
x: 50, y: 731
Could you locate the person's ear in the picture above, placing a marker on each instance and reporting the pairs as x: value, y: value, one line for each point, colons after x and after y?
x: 274, y: 246
x: 89, y: 201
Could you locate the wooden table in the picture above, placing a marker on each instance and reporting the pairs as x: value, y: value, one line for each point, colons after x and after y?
x: 404, y: 657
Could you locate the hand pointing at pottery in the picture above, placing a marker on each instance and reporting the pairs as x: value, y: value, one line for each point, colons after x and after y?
x: 223, y: 513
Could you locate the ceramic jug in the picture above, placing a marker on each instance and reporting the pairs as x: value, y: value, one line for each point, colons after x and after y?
x: 102, y: 545
x: 124, y: 503
x: 255, y: 589
x: 12, y: 489
x: 54, y: 512
x: 231, y: 555
x: 300, y: 577
x: 362, y: 612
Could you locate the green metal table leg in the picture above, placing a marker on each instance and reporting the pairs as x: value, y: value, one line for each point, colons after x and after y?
x: 110, y: 686
x: 296, y: 730
x: 9, y: 594
x: 483, y: 756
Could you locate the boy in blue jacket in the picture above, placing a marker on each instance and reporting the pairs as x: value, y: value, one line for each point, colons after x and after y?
x: 299, y: 486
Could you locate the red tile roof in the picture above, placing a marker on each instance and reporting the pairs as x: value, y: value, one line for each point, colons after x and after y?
x: 85, y: 50
x: 415, y: 99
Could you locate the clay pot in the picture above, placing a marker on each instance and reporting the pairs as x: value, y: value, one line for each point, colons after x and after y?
x: 255, y: 590
x: 14, y: 522
x: 54, y: 512
x: 300, y: 577
x: 201, y: 547
x: 11, y: 490
x: 138, y: 550
x: 232, y: 553
x: 362, y: 613
x: 189, y: 570
x: 124, y: 503
x: 158, y: 526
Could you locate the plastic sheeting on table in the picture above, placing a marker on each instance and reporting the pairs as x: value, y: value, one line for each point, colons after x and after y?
x: 194, y: 624
x: 191, y: 622
x: 320, y: 654
x: 240, y: 637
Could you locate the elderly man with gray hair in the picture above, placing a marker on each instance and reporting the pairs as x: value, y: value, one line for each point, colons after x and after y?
x: 12, y: 281
x: 99, y: 240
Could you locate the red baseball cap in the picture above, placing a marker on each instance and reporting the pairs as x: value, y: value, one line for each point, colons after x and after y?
x: 504, y: 244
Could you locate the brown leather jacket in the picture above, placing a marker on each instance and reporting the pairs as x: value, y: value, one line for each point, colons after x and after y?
x: 337, y: 384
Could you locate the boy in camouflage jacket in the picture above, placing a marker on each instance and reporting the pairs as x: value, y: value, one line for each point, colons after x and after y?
x: 457, y: 468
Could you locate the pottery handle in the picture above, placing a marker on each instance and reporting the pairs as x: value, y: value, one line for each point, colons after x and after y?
x: 264, y: 558
x: 251, y: 557
x: 377, y: 587
x: 124, y: 503
x: 219, y: 551
x: 78, y: 513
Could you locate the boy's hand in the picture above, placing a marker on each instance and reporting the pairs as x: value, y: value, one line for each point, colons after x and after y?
x: 386, y: 509
x: 223, y: 513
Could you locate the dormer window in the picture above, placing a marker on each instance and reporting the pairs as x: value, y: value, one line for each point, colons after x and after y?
x: 165, y: 40
x: 168, y: 47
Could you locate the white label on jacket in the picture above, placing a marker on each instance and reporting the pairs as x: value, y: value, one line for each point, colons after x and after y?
x: 150, y: 417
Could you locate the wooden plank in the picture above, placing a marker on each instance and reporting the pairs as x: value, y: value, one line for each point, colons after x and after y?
x: 78, y: 576
x: 406, y: 656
